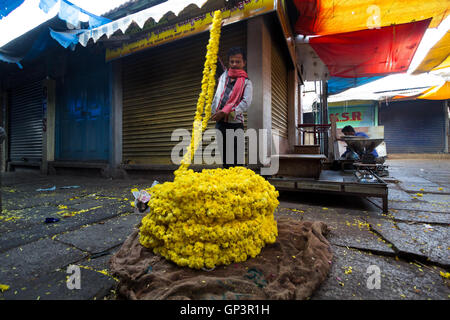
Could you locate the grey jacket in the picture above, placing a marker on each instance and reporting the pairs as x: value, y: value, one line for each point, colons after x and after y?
x: 241, y: 107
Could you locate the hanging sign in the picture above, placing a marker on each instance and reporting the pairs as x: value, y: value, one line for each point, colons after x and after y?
x: 356, y: 116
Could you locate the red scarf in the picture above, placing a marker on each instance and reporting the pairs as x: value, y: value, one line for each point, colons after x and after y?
x: 238, y: 89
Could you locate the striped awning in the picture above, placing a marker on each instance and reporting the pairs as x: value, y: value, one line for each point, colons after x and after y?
x: 155, y: 12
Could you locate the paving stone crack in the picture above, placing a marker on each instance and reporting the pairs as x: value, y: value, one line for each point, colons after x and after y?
x: 408, y: 256
x: 367, y: 250
x: 404, y: 256
x: 72, y: 246
x: 378, y: 234
x: 422, y: 222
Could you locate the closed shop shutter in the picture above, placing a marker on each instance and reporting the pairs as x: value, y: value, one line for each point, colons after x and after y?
x: 279, y: 91
x: 414, y: 126
x: 83, y: 109
x: 25, y: 130
x: 160, y: 92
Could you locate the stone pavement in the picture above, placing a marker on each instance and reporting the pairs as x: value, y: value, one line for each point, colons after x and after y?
x: 409, y: 247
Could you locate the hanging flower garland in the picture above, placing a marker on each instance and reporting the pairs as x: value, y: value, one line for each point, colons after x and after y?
x: 207, y: 93
x: 214, y: 217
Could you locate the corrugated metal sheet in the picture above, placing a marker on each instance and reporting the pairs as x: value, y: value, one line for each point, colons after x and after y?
x: 160, y: 91
x: 414, y: 126
x: 279, y: 91
x: 25, y: 130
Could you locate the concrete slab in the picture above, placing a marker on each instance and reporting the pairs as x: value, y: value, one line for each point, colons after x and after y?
x: 417, y: 239
x: 32, y: 260
x: 421, y: 216
x: 32, y: 227
x: 433, y: 188
x: 397, y: 194
x: 417, y: 205
x: 100, y: 261
x: 443, y: 199
x: 53, y: 286
x: 345, y: 229
x: 399, y: 279
x: 26, y: 217
x: 88, y: 202
x: 39, y: 200
x: 414, y: 181
x: 100, y: 237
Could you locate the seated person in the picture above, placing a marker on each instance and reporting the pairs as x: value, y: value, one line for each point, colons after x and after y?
x: 350, y: 131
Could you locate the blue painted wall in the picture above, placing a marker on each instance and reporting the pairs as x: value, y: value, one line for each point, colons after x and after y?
x: 83, y: 108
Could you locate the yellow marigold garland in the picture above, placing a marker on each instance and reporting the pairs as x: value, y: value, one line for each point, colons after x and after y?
x: 213, y: 217
x: 207, y: 93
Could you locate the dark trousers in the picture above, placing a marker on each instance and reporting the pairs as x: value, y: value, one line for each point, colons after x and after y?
x: 222, y: 127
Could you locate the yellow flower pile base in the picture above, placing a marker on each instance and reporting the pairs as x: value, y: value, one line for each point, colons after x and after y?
x: 214, y: 217
x: 211, y: 218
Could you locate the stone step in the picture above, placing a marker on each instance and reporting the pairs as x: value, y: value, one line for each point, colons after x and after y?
x: 299, y: 165
x: 307, y: 149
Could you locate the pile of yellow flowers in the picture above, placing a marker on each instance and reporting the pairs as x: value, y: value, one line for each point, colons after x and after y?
x: 214, y: 217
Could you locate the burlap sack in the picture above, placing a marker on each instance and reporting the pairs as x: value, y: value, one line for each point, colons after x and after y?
x: 291, y: 268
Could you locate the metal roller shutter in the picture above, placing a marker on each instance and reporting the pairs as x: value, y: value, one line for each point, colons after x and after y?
x: 414, y: 126
x: 25, y: 130
x: 160, y: 92
x: 279, y: 91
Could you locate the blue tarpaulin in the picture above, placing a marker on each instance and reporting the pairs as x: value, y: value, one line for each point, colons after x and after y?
x: 7, y: 58
x: 47, y: 5
x: 67, y: 38
x: 38, y: 45
x: 338, y: 84
x: 6, y: 6
x: 71, y: 13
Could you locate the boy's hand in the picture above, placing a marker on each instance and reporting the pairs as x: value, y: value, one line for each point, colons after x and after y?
x: 219, y: 115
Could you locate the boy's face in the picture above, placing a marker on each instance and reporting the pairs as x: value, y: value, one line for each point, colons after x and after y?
x: 236, y: 61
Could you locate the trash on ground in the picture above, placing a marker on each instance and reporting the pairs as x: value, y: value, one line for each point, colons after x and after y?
x: 49, y: 189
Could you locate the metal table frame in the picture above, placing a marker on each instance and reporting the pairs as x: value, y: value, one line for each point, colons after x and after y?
x: 378, y: 190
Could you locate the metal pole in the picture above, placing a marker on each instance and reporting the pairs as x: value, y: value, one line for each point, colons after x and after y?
x: 324, y: 99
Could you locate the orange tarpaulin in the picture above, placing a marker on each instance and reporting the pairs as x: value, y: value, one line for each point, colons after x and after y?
x: 322, y: 17
x: 437, y: 57
x: 437, y: 92
x: 444, y: 64
x: 369, y: 53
